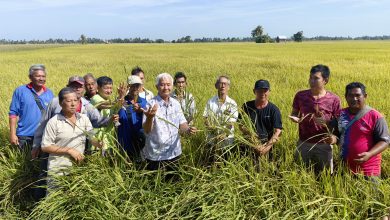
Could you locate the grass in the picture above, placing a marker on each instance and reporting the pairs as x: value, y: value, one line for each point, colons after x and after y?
x: 100, y: 189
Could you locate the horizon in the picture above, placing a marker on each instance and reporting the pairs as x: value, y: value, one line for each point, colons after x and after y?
x: 173, y: 19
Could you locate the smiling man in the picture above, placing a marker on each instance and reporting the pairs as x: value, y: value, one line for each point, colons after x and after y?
x: 163, y: 122
x: 27, y: 106
x: 364, y: 133
x: 265, y: 116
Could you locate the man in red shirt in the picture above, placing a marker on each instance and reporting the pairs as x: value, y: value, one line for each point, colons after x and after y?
x: 314, y: 109
x: 364, y: 133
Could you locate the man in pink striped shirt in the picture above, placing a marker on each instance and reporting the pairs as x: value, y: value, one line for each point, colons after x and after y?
x: 364, y: 133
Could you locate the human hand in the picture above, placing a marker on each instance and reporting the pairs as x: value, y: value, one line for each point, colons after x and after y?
x: 14, y: 139
x: 77, y: 156
x: 294, y: 119
x: 363, y: 157
x: 122, y: 90
x: 151, y: 112
x: 331, y: 139
x: 192, y: 130
x: 137, y: 107
x: 35, y: 152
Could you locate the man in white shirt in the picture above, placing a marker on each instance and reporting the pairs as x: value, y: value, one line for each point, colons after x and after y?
x: 220, y: 113
x: 163, y: 122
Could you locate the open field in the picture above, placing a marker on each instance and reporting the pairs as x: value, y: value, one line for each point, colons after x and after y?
x: 283, y: 189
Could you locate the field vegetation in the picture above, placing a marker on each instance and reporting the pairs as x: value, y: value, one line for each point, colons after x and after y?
x: 105, y: 189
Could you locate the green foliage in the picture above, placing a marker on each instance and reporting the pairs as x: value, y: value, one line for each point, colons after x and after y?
x: 257, y: 32
x: 298, y: 37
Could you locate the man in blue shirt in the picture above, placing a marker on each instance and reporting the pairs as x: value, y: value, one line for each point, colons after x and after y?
x: 130, y: 133
x: 27, y: 105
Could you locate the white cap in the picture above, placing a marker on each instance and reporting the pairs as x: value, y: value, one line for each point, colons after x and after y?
x: 134, y: 80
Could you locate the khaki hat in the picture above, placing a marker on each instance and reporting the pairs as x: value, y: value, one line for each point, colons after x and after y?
x: 133, y: 79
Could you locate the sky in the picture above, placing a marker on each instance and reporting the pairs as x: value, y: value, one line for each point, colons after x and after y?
x: 172, y: 19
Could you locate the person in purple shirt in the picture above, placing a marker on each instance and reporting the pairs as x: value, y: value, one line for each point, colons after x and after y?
x: 314, y: 109
x: 27, y: 105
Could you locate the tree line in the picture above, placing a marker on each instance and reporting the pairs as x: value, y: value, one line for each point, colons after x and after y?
x: 257, y: 35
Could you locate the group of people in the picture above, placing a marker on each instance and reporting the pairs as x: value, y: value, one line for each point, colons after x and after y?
x: 148, y: 128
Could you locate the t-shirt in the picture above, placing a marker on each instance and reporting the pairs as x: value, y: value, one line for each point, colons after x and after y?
x: 360, y: 137
x: 329, y: 106
x: 265, y: 119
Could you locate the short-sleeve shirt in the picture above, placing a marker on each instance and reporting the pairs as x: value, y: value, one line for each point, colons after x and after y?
x: 163, y: 141
x: 24, y: 106
x: 60, y: 132
x: 361, y: 137
x: 328, y: 106
x: 221, y: 113
x: 187, y: 104
x: 265, y: 119
x: 146, y: 94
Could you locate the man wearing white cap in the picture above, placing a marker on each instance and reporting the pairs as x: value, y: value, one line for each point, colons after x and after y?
x: 130, y: 133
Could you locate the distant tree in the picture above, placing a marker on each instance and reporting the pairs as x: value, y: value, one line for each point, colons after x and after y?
x: 83, y: 39
x: 264, y: 39
x: 257, y: 32
x: 159, y: 41
x: 298, y: 37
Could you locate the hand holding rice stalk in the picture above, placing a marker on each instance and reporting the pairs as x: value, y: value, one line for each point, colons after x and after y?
x: 113, y: 106
x: 318, y: 118
x: 248, y: 136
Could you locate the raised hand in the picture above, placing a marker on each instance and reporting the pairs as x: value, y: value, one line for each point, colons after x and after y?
x: 151, y: 112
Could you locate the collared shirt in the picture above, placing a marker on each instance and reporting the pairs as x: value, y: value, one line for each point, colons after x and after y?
x: 361, y: 137
x: 61, y: 133
x: 146, y: 94
x: 187, y: 104
x: 163, y: 141
x: 24, y: 106
x: 328, y: 106
x: 220, y: 114
x: 54, y: 108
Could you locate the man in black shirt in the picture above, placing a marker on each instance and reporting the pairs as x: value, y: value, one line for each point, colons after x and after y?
x: 265, y: 116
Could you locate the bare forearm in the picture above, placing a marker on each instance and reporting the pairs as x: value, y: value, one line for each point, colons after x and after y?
x: 56, y: 150
x: 378, y: 148
x: 275, y: 136
x: 12, y: 125
x: 148, y: 125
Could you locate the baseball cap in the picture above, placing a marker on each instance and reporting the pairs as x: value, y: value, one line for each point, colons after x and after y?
x: 262, y: 84
x: 36, y: 67
x: 134, y: 79
x: 77, y: 79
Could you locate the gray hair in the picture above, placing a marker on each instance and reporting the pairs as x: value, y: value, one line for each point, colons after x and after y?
x: 89, y: 76
x: 223, y: 76
x: 163, y: 76
x: 36, y: 67
x: 63, y: 92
